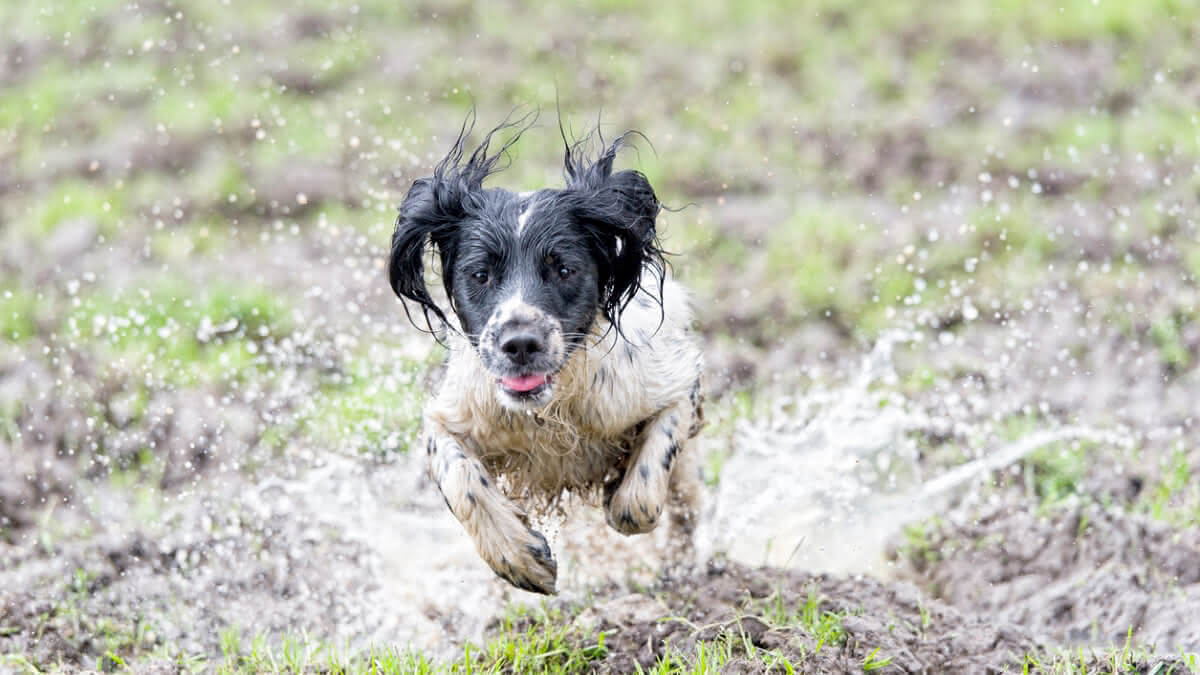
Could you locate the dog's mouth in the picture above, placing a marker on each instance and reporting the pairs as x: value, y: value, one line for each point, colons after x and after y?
x: 525, y: 385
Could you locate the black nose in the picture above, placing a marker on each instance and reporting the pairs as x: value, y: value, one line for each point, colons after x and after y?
x: 521, y: 346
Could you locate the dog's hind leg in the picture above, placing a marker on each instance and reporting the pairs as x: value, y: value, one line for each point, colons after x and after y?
x: 633, y: 505
x: 500, y: 530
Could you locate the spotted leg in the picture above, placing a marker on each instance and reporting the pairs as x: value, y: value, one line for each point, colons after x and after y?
x: 500, y: 530
x: 634, y: 505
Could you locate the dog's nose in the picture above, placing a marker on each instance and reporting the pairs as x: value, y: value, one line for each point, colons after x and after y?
x: 521, y: 346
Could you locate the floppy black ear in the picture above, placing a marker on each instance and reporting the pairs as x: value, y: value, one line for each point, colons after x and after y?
x: 421, y: 221
x: 434, y: 209
x: 620, y: 209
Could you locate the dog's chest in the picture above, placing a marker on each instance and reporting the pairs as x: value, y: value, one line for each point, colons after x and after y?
x: 546, y: 455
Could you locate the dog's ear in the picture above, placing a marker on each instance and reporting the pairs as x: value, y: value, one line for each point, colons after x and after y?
x: 429, y: 212
x: 434, y: 209
x: 620, y: 209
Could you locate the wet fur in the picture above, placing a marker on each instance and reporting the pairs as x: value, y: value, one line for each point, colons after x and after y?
x: 619, y: 422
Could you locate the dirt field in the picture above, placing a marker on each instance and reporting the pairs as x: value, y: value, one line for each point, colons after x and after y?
x: 945, y: 264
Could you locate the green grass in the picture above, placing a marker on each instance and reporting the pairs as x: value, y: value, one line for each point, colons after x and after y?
x: 75, y: 619
x: 206, y: 104
x: 526, y: 641
x: 814, y: 266
x: 1056, y: 473
x: 180, y: 334
x: 823, y: 625
x: 921, y: 546
x: 529, y: 641
x: 874, y: 661
x: 1192, y: 258
x: 721, y: 418
x: 535, y: 642
x: 1175, y: 496
x: 1172, y: 351
x: 1052, y: 474
x: 300, y: 654
x: 43, y: 104
x: 815, y: 256
x: 825, y: 265
x: 1126, y: 658
x: 20, y: 309
x: 103, y: 205
x: 713, y: 657
x: 366, y: 408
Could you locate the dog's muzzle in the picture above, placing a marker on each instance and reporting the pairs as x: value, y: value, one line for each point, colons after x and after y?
x: 523, y: 348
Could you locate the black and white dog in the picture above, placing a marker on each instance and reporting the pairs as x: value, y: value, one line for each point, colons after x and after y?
x: 572, y: 365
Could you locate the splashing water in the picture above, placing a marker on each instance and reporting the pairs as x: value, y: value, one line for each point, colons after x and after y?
x: 798, y: 486
x: 824, y: 479
x: 363, y: 553
x: 818, y: 482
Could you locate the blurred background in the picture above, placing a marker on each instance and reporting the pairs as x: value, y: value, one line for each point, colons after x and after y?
x: 202, y: 364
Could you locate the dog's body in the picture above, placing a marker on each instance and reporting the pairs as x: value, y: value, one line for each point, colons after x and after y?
x: 575, y: 368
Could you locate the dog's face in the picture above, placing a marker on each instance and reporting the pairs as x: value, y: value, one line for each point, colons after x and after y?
x: 527, y: 275
x: 525, y: 287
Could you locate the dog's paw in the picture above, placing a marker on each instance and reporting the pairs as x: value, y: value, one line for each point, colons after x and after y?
x: 528, y: 564
x: 634, y: 507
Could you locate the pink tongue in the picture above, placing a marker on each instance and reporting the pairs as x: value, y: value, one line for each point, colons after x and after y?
x: 524, y: 382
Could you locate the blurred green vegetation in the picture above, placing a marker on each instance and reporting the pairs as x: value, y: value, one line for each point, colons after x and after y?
x: 171, y: 331
x: 826, y: 104
x: 193, y: 194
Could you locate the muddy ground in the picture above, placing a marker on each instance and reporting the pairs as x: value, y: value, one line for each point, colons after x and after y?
x: 894, y: 624
x: 946, y: 274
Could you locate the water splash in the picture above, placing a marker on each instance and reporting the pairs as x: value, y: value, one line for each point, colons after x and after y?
x: 794, y: 489
x: 824, y: 479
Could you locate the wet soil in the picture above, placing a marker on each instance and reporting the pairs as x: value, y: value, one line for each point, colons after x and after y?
x: 102, y: 551
x: 727, y: 600
x: 1083, y: 575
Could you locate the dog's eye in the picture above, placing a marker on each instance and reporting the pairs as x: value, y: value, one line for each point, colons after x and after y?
x: 480, y: 277
x: 562, y: 270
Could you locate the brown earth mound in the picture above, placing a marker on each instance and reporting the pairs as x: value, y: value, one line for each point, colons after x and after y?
x: 1085, y: 575
x: 894, y: 627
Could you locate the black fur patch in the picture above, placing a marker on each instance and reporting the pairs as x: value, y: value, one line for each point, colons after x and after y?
x: 600, y: 227
x: 669, y: 458
x: 626, y: 519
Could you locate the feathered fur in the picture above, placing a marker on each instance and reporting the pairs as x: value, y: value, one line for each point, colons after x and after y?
x: 572, y: 364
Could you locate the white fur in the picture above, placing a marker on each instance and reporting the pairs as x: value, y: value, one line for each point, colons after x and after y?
x: 515, y: 308
x: 585, y: 435
x: 524, y: 217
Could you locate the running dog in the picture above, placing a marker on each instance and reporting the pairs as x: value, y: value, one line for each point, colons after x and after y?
x: 572, y: 364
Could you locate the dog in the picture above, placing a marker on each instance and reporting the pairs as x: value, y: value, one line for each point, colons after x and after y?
x: 572, y: 366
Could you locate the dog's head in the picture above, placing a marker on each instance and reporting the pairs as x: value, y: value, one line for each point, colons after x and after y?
x: 527, y: 274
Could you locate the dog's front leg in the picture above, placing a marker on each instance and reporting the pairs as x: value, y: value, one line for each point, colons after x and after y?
x: 517, y: 553
x: 636, y: 503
